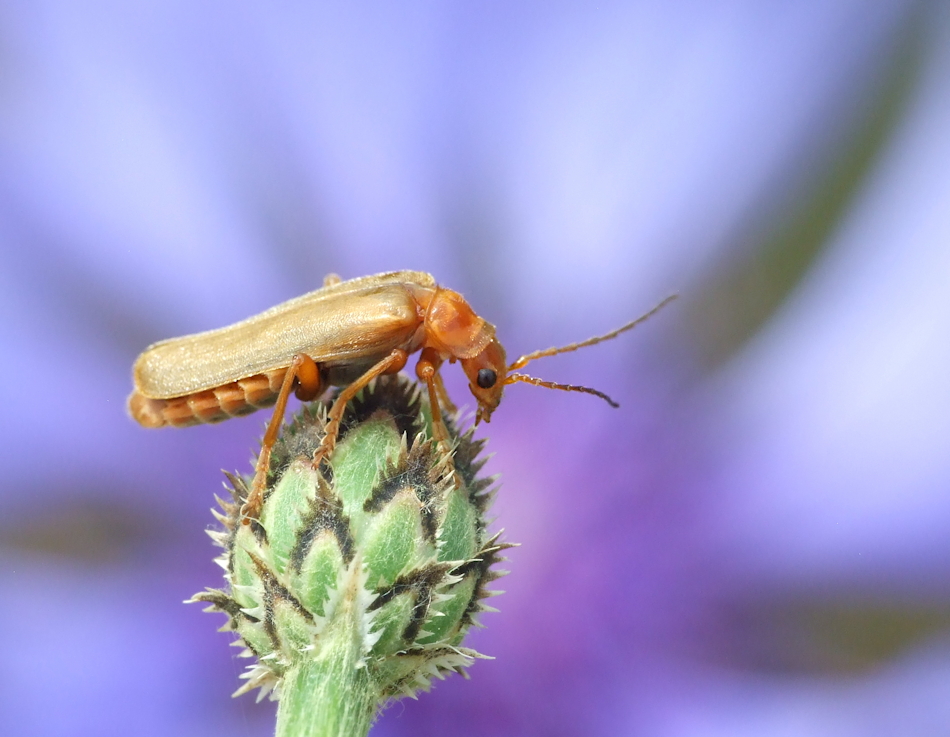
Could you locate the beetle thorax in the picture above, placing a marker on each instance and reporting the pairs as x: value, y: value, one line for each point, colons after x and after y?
x: 453, y: 328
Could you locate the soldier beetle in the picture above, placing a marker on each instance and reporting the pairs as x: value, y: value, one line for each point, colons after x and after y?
x: 345, y: 334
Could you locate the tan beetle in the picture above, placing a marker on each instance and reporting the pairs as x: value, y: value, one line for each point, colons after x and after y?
x: 345, y: 334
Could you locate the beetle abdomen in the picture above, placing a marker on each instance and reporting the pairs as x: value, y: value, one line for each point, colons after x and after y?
x: 212, y: 405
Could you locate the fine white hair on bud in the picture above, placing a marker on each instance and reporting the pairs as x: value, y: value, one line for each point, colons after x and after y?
x: 358, y: 582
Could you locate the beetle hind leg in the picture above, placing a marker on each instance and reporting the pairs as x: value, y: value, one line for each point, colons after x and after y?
x: 305, y: 373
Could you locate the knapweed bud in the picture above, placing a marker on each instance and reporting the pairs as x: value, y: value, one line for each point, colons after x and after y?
x: 358, y: 582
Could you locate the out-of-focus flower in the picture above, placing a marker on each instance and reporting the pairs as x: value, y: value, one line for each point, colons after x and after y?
x: 764, y: 519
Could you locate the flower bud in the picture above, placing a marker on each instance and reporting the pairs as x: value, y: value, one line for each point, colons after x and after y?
x: 359, y: 580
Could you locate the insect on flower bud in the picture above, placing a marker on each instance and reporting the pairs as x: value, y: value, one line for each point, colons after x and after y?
x: 358, y: 582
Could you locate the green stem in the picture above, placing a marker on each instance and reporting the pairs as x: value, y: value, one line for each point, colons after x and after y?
x: 332, y: 694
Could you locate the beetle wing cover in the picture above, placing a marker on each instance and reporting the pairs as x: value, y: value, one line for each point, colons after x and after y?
x: 354, y: 320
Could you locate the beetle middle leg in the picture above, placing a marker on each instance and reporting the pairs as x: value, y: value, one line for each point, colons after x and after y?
x: 305, y: 371
x: 391, y: 364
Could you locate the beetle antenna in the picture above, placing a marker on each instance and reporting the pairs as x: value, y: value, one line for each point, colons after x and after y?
x: 512, y: 378
x: 524, y: 360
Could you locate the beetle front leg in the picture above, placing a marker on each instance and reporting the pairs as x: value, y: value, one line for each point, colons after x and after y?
x: 307, y: 373
x: 428, y: 372
x: 392, y: 364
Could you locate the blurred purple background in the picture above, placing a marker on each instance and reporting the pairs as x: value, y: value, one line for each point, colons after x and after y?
x: 756, y: 543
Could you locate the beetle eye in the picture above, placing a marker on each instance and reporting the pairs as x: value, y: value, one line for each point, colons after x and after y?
x: 486, y: 378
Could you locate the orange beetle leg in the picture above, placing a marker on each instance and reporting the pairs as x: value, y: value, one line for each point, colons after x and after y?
x: 309, y: 383
x: 393, y: 363
x: 255, y: 498
x: 447, y: 404
x: 428, y: 371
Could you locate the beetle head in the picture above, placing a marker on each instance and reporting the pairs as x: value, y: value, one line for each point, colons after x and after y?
x: 487, y: 376
x: 453, y: 328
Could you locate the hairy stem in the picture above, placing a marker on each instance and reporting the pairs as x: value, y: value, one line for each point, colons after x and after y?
x: 333, y: 694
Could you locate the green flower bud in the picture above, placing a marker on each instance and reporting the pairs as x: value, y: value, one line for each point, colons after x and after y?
x: 359, y: 581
